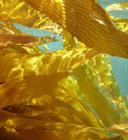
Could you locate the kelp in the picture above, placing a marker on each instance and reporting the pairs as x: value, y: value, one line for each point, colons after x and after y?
x: 101, y: 70
x: 16, y: 39
x: 119, y: 22
x: 33, y: 66
x: 8, y: 27
x: 87, y: 21
x: 69, y: 93
x: 28, y: 16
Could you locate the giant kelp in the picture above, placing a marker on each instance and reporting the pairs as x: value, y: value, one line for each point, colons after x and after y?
x: 69, y: 93
x: 85, y: 18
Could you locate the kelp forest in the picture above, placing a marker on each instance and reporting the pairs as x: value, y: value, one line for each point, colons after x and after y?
x: 66, y: 94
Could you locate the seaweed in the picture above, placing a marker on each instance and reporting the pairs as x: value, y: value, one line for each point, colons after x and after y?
x: 69, y: 93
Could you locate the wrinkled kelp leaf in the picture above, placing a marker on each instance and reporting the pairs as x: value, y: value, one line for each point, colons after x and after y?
x: 17, y: 39
x: 53, y: 95
x: 38, y: 129
x: 101, y: 70
x: 17, y: 11
x: 24, y: 43
x: 8, y: 27
x: 94, y: 97
x: 87, y: 21
x: 68, y: 39
x: 23, y: 67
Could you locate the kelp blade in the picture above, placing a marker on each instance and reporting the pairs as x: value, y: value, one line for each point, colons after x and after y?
x: 28, y: 16
x: 39, y: 98
x: 87, y: 21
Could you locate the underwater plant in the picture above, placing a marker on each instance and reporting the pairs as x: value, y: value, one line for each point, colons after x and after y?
x: 68, y: 94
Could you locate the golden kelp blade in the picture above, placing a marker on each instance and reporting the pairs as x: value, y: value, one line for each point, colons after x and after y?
x: 17, y: 42
x: 54, y: 124
x: 68, y: 92
x: 17, y: 39
x: 68, y: 39
x: 95, y: 98
x: 23, y: 43
x: 102, y: 71
x: 42, y: 85
x: 8, y: 28
x: 60, y: 118
x: 87, y: 21
x: 17, y: 11
x: 44, y: 64
x: 19, y: 66
x: 41, y: 108
x: 48, y: 130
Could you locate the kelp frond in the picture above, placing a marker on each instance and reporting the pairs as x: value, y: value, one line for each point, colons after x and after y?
x: 17, y: 11
x: 68, y: 94
x: 87, y: 21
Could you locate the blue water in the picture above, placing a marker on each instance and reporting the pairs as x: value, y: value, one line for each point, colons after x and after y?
x: 52, y: 46
x: 120, y: 71
x: 105, y: 3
